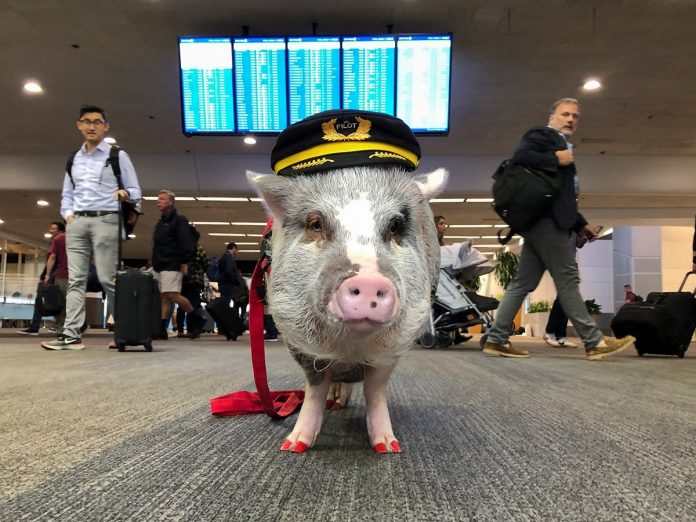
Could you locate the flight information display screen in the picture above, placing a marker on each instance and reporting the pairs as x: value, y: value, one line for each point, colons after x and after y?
x: 261, y: 84
x: 314, y: 66
x: 206, y: 85
x: 369, y: 70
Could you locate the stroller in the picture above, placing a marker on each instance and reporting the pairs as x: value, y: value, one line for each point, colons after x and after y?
x: 455, y: 308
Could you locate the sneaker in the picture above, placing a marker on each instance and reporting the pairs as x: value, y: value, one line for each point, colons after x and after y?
x: 28, y: 331
x: 608, y: 346
x: 64, y: 343
x: 112, y: 345
x: 551, y: 340
x: 565, y: 343
x: 270, y: 339
x: 504, y: 350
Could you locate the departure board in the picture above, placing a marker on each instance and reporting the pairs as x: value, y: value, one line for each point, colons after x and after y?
x: 423, y: 82
x: 313, y: 75
x: 368, y: 73
x: 206, y: 85
x: 260, y: 84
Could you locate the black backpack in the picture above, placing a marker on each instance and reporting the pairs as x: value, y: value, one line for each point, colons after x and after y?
x: 522, y: 196
x: 129, y: 212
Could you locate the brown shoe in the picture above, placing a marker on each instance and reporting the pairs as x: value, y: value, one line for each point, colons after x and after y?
x: 608, y: 346
x: 504, y: 350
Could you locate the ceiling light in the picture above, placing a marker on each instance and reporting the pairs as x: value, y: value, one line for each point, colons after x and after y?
x: 132, y: 236
x: 250, y: 140
x: 447, y: 200
x: 110, y: 140
x: 259, y: 200
x: 178, y: 198
x: 248, y: 243
x: 249, y: 224
x: 33, y: 87
x: 501, y: 226
x: 42, y: 203
x: 215, y: 198
x: 211, y: 223
x: 479, y: 200
x: 489, y: 246
x: 253, y: 235
x: 251, y: 251
x: 1, y: 221
x: 47, y: 235
x: 462, y: 237
x: 225, y: 234
x: 469, y: 226
x: 591, y: 85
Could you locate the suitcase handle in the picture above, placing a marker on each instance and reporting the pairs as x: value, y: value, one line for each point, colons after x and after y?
x: 681, y: 286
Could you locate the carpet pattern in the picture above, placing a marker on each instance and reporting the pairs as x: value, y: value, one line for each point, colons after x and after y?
x: 98, y: 435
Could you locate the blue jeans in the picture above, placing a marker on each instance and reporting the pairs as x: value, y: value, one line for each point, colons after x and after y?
x: 546, y: 248
x: 88, y: 237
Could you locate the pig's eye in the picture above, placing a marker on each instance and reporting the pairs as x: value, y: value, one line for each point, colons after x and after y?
x: 396, y: 230
x: 315, y: 228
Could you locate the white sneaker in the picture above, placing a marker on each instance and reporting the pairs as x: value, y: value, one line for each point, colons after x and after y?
x: 551, y: 340
x: 565, y: 343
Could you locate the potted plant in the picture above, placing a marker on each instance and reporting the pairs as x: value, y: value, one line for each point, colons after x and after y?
x: 593, y: 307
x: 505, y: 267
x: 538, y: 316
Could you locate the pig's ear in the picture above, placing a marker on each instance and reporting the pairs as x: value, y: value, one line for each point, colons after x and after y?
x: 433, y: 183
x: 273, y: 190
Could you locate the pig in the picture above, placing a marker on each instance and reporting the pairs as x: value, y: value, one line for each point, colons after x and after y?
x: 355, y: 263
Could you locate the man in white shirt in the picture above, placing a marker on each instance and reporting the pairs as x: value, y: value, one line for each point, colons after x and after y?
x: 90, y: 205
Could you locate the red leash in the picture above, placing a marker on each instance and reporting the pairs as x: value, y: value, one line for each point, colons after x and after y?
x: 276, y: 404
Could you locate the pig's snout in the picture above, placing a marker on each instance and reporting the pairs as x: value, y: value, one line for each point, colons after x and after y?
x: 365, y: 299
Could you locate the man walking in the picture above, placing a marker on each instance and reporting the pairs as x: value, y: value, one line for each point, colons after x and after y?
x: 90, y: 205
x: 546, y: 243
x: 173, y: 247
x: 229, y: 273
x: 56, y: 269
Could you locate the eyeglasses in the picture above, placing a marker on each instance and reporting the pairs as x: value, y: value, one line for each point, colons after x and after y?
x: 87, y: 123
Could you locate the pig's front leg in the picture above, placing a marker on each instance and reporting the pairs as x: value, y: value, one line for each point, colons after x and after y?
x: 311, y: 415
x: 379, y: 426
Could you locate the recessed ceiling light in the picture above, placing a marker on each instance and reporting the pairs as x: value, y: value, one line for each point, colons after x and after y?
x: 591, y: 85
x: 259, y: 200
x: 250, y: 251
x: 447, y: 200
x: 42, y: 203
x: 469, y: 226
x: 211, y: 223
x: 47, y: 235
x: 479, y: 200
x: 110, y: 140
x: 33, y: 87
x: 225, y: 234
x: 250, y: 140
x: 249, y: 224
x: 1, y: 221
x: 132, y: 236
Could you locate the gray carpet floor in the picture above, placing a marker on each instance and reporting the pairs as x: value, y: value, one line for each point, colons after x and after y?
x: 102, y: 435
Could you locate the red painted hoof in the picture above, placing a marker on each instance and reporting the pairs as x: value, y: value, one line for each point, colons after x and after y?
x: 395, y: 446
x: 286, y: 445
x: 300, y: 447
x: 380, y: 447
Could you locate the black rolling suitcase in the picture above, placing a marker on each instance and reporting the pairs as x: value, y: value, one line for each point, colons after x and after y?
x: 662, y: 324
x: 229, y: 324
x: 137, y: 309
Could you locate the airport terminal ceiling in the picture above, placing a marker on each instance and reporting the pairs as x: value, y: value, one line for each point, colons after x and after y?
x: 510, y: 60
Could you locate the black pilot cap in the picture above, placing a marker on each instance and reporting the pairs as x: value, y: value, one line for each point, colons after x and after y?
x: 344, y: 138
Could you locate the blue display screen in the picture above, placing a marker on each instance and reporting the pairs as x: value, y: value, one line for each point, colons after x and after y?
x: 261, y: 84
x: 314, y: 65
x: 423, y: 82
x: 206, y: 85
x: 369, y: 69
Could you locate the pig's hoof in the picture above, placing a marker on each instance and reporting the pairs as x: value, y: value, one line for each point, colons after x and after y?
x: 381, y: 447
x: 297, y: 447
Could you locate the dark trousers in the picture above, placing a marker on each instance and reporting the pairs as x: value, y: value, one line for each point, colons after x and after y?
x: 227, y: 291
x: 558, y: 321
x: 269, y: 326
x: 192, y: 292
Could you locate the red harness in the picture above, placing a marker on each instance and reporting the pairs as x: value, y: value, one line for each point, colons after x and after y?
x: 278, y: 403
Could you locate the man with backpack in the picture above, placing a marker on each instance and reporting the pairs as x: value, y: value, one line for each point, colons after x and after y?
x: 174, y: 245
x: 546, y: 243
x: 90, y: 206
